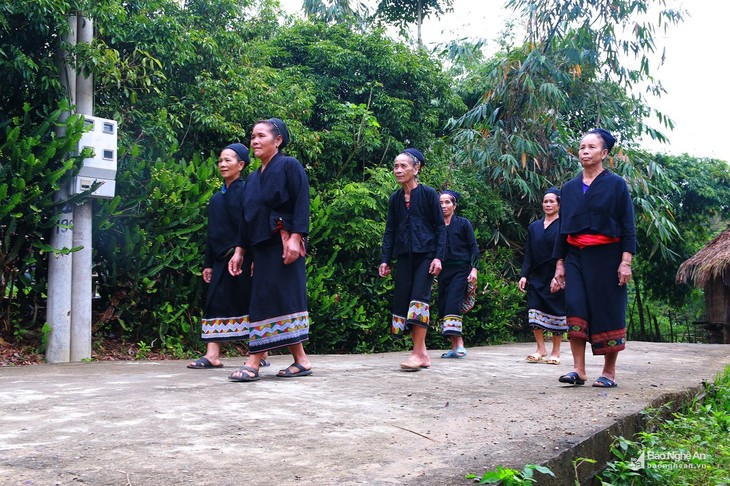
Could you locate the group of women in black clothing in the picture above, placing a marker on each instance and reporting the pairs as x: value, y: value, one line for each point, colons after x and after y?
x: 256, y: 272
x: 255, y: 256
x: 426, y: 240
x: 578, y: 264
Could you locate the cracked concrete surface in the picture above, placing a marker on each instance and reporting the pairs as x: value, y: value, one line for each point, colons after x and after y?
x: 357, y: 420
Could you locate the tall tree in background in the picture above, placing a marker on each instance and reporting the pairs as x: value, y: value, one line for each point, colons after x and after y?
x: 579, y: 66
x: 404, y: 12
x: 337, y: 11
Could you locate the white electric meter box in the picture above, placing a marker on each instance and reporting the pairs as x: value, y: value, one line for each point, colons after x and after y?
x: 101, y: 137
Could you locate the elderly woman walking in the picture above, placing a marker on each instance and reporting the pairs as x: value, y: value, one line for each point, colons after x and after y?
x: 276, y: 222
x: 415, y: 236
x: 594, y: 253
x: 225, y: 317
x: 545, y: 309
x: 459, y: 273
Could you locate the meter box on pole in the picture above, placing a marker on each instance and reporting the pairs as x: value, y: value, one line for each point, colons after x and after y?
x: 101, y: 137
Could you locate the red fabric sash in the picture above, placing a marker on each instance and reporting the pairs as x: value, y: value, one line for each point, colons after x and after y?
x: 581, y: 241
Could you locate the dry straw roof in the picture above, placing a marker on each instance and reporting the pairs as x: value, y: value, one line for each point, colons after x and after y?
x: 710, y: 262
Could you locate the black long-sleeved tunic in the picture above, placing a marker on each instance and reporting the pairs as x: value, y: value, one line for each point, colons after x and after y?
x: 225, y: 213
x: 605, y: 208
x: 278, y: 195
x: 418, y: 228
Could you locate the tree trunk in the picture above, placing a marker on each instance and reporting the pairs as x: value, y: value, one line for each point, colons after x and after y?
x: 640, y: 307
x: 419, y: 22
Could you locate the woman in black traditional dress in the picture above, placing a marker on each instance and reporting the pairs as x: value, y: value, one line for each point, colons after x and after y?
x: 225, y: 317
x: 594, y: 252
x: 276, y: 223
x: 460, y: 264
x: 415, y: 235
x: 545, y: 310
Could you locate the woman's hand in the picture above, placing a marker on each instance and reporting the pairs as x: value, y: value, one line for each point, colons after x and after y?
x: 207, y: 275
x: 292, y: 248
x: 558, y: 281
x: 624, y: 273
x: 435, y: 267
x: 234, y: 264
x: 472, y: 278
x: 522, y: 284
x: 624, y: 268
x: 384, y: 270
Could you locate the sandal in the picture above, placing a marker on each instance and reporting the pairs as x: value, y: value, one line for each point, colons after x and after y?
x: 603, y: 382
x: 572, y: 378
x: 299, y: 371
x: 553, y: 360
x: 458, y: 353
x: 243, y: 375
x: 536, y: 358
x: 204, y: 364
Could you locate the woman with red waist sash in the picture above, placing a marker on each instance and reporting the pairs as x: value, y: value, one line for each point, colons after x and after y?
x: 594, y: 252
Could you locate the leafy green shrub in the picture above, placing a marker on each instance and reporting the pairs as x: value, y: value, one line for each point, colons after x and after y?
x: 348, y: 301
x: 35, y: 163
x: 149, y: 251
x: 511, y: 477
x: 689, y: 448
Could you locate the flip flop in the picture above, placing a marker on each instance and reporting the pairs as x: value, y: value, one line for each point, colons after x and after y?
x: 535, y: 358
x: 553, y: 360
x: 286, y: 373
x: 455, y: 354
x: 204, y: 364
x: 572, y: 378
x: 245, y: 376
x: 604, y: 382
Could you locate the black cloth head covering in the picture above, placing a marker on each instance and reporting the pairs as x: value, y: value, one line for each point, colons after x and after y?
x: 242, y: 152
x: 453, y: 194
x: 280, y: 129
x: 415, y: 153
x: 553, y: 190
x: 608, y: 139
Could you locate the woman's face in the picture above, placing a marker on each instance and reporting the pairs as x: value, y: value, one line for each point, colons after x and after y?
x: 592, y: 150
x: 550, y: 204
x: 229, y: 166
x: 447, y: 205
x: 264, y: 143
x: 404, y: 169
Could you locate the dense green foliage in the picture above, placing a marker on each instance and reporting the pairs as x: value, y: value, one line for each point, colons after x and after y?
x: 34, y: 162
x: 690, y: 447
x: 185, y: 79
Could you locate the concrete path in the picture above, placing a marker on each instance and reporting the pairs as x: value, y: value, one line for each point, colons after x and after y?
x: 357, y: 420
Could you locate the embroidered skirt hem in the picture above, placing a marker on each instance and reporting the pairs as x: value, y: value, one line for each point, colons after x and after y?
x: 278, y: 332
x: 547, y: 322
x: 225, y: 329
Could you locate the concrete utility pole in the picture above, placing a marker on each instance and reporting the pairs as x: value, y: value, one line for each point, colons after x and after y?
x: 83, y: 215
x: 58, y: 306
x: 69, y: 276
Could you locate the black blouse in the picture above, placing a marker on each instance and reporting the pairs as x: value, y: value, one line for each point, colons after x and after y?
x: 418, y: 228
x: 605, y: 208
x: 225, y: 215
x: 278, y: 195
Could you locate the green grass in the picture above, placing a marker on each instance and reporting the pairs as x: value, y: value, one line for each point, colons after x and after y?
x: 691, y: 448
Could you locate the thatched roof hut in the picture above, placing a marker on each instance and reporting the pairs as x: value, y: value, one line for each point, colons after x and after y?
x: 709, y: 269
x: 713, y: 261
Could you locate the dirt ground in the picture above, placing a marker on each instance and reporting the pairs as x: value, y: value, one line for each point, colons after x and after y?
x: 357, y: 420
